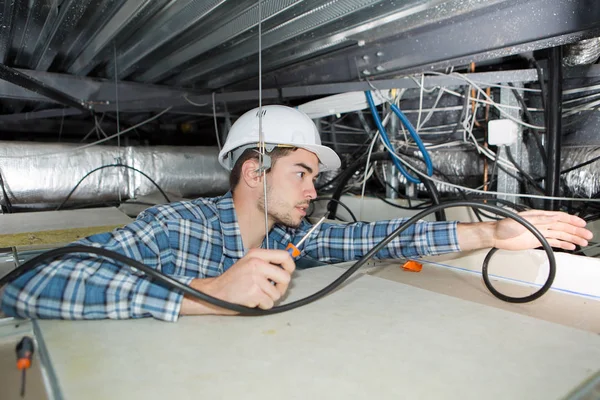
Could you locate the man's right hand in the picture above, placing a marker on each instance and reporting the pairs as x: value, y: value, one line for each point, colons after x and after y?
x: 249, y: 282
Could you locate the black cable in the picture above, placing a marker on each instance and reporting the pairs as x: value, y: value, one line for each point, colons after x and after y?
x: 174, y: 284
x: 528, y: 177
x: 8, y: 204
x: 583, y: 164
x: 340, y: 203
x: 509, y: 299
x: 349, y: 172
x: 110, y: 166
x: 536, y: 138
x: 540, y: 75
x: 412, y: 208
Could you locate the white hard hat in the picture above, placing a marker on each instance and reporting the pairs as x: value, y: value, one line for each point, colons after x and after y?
x: 281, y: 125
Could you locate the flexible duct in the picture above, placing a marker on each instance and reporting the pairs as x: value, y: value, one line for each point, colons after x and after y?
x: 44, y: 174
x: 581, y: 53
x: 584, y: 181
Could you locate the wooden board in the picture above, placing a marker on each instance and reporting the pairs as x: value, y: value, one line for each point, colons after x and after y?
x: 371, y: 339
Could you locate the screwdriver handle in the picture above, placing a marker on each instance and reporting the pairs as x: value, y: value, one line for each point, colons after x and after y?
x: 24, y: 353
x: 293, y: 250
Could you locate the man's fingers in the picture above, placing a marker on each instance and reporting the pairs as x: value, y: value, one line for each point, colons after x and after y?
x: 269, y: 289
x: 266, y: 303
x: 279, y: 276
x: 558, y: 244
x: 565, y: 237
x: 541, y: 216
x: 277, y: 257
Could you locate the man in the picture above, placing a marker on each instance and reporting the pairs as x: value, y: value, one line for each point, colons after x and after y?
x: 218, y: 245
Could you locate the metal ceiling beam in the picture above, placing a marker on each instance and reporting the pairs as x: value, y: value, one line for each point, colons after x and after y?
x: 128, y: 11
x: 241, y: 23
x: 136, y: 97
x: 180, y: 16
x: 493, y: 30
x: 61, y: 23
x: 25, y: 81
x: 295, y: 31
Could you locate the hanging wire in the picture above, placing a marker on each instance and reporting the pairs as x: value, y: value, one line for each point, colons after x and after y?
x: 118, y: 123
x: 261, y: 138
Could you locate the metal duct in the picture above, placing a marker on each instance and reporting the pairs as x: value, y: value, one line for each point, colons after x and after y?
x: 465, y: 167
x: 584, y: 181
x: 45, y: 173
x: 585, y: 52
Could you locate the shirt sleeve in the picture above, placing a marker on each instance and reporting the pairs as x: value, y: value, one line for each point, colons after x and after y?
x: 86, y: 286
x: 338, y: 242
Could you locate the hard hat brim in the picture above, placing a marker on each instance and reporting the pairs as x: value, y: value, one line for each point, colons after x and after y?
x: 328, y: 158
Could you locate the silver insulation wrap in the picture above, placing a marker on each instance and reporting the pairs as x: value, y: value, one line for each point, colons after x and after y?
x: 462, y: 166
x: 581, y: 53
x: 584, y: 181
x: 36, y: 173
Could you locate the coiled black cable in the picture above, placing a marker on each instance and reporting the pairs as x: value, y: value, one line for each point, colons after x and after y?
x: 112, y: 166
x: 172, y: 283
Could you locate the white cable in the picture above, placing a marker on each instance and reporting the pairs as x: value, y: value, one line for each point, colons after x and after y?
x: 197, y: 104
x: 581, y: 89
x: 362, y: 193
x: 260, y: 130
x: 91, y: 144
x: 215, y: 120
x: 433, y: 109
x: 583, y: 107
x: 531, y: 196
x: 420, y: 102
x: 462, y: 96
x: 576, y: 99
x: 492, y: 102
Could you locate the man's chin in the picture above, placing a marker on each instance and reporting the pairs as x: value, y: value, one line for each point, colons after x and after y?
x: 289, y: 223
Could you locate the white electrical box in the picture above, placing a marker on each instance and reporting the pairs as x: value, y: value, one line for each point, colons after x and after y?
x: 502, y: 132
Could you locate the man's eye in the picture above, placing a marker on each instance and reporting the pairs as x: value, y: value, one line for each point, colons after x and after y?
x: 301, y: 174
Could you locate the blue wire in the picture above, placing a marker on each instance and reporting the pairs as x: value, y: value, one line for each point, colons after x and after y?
x: 416, y: 138
x: 386, y: 140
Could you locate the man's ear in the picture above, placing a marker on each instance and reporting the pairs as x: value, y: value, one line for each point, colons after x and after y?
x: 251, y: 174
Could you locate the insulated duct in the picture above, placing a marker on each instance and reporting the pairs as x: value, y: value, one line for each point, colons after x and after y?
x: 584, y: 181
x: 465, y: 167
x: 42, y: 175
x: 581, y: 53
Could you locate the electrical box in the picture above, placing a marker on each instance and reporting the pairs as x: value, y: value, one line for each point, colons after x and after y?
x: 502, y: 132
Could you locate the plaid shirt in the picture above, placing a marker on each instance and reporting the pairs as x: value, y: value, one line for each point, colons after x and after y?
x: 187, y: 240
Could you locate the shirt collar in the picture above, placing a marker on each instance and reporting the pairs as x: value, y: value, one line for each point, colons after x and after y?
x: 233, y: 246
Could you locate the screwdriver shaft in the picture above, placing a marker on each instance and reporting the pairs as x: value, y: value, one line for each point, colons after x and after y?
x: 23, y: 383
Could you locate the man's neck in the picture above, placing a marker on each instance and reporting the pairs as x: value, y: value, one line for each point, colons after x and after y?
x: 251, y: 221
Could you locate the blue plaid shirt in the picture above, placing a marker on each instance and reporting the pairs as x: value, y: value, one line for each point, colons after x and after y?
x: 187, y: 240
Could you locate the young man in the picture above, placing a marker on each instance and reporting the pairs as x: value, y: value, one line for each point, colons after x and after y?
x: 218, y: 245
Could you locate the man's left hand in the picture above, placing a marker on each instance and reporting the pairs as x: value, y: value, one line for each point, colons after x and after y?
x: 560, y: 229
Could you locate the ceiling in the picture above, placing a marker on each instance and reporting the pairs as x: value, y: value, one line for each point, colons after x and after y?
x: 67, y: 60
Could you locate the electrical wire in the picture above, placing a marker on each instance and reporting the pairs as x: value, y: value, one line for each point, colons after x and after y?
x: 536, y: 138
x: 261, y: 140
x: 493, y: 103
x: 69, y: 151
x: 7, y: 202
x: 412, y: 132
x: 354, y: 219
x: 176, y: 285
x: 112, y: 166
x: 530, y: 196
x: 215, y: 121
x: 583, y: 164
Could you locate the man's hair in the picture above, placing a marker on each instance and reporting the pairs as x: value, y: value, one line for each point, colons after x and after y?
x: 248, y: 154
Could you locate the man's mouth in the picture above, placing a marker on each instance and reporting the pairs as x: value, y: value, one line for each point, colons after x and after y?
x: 302, y: 208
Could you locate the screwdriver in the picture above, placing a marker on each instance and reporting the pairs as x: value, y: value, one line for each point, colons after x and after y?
x: 293, y: 250
x: 24, y: 358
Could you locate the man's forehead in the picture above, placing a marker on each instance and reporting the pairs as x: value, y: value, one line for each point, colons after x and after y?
x: 305, y: 157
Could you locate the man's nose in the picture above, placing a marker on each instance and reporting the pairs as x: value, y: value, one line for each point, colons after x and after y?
x: 311, y: 192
